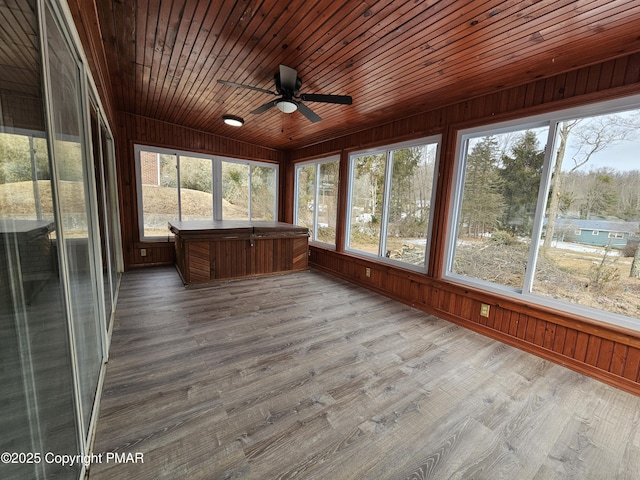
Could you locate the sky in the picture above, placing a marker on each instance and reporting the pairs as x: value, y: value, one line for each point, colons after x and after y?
x: 624, y: 156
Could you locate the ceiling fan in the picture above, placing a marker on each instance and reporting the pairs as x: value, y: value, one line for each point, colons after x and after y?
x: 288, y: 87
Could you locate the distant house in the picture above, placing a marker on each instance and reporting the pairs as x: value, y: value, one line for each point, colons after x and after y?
x: 601, y: 233
x: 150, y: 168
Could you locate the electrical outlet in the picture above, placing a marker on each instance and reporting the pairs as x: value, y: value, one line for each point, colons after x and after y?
x: 484, y: 310
x: 367, y: 272
x: 143, y: 252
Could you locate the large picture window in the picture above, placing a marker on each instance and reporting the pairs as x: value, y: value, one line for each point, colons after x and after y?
x: 317, y: 198
x: 390, y: 197
x: 548, y: 210
x: 186, y: 186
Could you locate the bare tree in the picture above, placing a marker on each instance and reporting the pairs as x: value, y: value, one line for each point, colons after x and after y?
x: 593, y: 135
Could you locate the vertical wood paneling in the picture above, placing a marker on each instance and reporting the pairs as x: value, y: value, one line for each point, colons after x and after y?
x: 581, y: 346
x: 522, y: 326
x: 570, y: 342
x: 633, y: 69
x: 618, y: 359
x: 549, y: 336
x: 605, y: 355
x: 558, y: 341
x: 631, y: 369
x: 494, y: 320
x: 593, y: 350
x: 515, y: 321
x: 541, y: 330
x: 199, y: 262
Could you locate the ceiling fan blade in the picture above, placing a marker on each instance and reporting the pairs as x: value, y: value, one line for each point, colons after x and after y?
x: 307, y: 112
x: 317, y: 97
x: 249, y: 87
x: 264, y: 107
x: 288, y: 78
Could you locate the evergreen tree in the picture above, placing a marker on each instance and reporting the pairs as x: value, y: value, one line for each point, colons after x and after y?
x: 483, y: 203
x: 520, y: 176
x: 405, y: 162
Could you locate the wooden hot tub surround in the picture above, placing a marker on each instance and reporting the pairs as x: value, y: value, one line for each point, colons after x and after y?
x: 224, y: 249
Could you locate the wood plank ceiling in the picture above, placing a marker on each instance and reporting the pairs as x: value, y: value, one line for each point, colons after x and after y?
x: 20, y: 78
x: 395, y: 58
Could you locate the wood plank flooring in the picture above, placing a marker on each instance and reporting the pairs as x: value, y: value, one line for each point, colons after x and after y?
x: 306, y: 376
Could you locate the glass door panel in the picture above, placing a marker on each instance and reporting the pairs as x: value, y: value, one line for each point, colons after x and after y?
x: 96, y: 144
x: 70, y: 159
x: 111, y: 213
x: 36, y: 381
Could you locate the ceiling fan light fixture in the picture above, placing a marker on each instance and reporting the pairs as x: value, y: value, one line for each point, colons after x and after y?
x: 233, y: 120
x: 286, y: 106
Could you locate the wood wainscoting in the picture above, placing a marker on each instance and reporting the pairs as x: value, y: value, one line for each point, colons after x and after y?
x: 601, y: 351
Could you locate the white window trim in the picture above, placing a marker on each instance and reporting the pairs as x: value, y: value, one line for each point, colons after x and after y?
x: 216, y: 161
x: 296, y: 206
x: 387, y: 149
x: 525, y: 294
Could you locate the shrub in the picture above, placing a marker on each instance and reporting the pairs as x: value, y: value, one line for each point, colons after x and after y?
x: 502, y: 237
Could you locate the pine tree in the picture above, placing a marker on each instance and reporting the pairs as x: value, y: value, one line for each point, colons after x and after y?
x: 520, y: 175
x: 483, y: 203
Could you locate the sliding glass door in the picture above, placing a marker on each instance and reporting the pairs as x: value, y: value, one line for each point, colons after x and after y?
x: 59, y: 244
x: 74, y: 206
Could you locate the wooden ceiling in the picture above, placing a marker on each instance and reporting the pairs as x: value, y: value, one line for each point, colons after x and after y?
x: 20, y: 79
x: 395, y: 58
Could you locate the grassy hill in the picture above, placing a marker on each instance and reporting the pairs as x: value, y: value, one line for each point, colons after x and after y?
x: 17, y: 200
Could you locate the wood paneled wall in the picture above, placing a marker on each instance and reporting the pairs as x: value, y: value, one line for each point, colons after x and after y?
x: 133, y: 129
x: 608, y: 353
x: 86, y: 21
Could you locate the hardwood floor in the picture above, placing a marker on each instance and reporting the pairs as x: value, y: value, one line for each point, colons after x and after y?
x: 306, y: 376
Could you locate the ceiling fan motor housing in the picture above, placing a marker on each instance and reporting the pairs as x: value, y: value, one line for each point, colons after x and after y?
x: 286, y: 92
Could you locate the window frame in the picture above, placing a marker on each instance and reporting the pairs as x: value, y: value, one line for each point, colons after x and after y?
x: 552, y: 119
x: 317, y: 163
x: 216, y: 185
x: 388, y: 150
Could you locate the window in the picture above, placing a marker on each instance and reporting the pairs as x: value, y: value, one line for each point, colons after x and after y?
x: 235, y: 190
x: 187, y: 186
x: 317, y: 198
x: 516, y: 206
x: 390, y: 196
x: 499, y: 184
x: 616, y: 235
